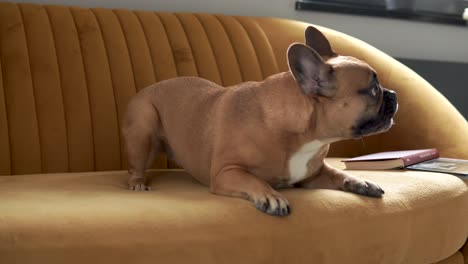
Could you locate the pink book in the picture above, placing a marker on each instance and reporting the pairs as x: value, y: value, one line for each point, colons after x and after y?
x: 390, y: 159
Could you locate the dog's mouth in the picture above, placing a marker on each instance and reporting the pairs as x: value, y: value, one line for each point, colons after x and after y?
x: 382, y: 121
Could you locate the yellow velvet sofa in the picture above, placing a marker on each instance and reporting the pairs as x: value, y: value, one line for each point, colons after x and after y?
x: 66, y: 74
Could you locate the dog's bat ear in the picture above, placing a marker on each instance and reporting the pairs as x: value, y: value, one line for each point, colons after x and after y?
x: 317, y: 41
x: 312, y: 74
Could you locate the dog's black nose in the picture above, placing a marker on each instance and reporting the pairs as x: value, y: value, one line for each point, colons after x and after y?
x: 390, y: 95
x: 391, y: 102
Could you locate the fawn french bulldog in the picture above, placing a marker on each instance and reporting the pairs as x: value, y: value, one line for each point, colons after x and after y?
x: 246, y: 140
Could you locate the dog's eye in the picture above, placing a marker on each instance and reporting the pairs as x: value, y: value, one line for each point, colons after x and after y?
x: 375, y: 90
x: 372, y: 91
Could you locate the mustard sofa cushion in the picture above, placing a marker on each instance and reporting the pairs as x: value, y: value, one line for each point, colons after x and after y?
x: 93, y: 217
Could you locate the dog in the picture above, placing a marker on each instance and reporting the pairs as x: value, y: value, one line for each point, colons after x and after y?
x: 253, y: 138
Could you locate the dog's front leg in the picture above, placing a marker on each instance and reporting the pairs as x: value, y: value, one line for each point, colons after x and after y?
x: 237, y: 182
x: 331, y: 178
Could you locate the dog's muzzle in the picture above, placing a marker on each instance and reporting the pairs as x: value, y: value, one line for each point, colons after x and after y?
x: 384, y: 118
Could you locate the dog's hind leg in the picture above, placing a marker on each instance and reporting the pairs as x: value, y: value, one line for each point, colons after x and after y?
x: 140, y: 153
x: 142, y: 144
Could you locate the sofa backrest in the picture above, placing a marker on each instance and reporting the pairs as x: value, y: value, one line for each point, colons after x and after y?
x: 67, y: 73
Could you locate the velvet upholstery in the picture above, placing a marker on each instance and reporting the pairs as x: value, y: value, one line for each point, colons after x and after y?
x: 89, y: 217
x: 66, y: 75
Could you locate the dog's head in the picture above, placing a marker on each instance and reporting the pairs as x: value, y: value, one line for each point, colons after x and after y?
x: 346, y: 91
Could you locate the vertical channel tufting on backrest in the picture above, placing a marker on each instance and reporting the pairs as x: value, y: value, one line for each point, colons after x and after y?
x: 137, y: 64
x: 140, y: 57
x: 74, y: 89
x: 67, y: 74
x: 100, y: 90
x: 201, y: 48
x: 5, y: 162
x: 121, y: 71
x: 261, y: 46
x: 245, y: 53
x: 158, y: 45
x: 46, y: 89
x: 181, y: 49
x: 226, y: 60
x: 19, y: 93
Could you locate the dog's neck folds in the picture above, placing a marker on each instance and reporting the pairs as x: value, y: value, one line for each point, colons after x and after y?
x: 285, y: 104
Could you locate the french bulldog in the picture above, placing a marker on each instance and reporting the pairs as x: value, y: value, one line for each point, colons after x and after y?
x: 250, y: 139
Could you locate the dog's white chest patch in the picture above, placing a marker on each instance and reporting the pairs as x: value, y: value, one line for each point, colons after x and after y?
x: 298, y: 161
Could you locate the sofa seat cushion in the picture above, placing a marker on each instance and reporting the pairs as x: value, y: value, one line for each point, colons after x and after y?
x: 94, y: 218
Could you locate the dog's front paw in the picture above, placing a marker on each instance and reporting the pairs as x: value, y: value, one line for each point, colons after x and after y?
x: 363, y: 188
x: 273, y: 204
x: 138, y: 185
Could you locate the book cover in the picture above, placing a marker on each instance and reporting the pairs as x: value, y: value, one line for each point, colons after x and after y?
x: 457, y: 167
x: 390, y: 159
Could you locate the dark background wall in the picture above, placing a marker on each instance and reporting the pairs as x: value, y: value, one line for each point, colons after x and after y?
x: 450, y: 78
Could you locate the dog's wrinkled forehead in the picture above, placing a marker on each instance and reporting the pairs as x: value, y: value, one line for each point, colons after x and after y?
x: 353, y: 70
x: 349, y: 62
